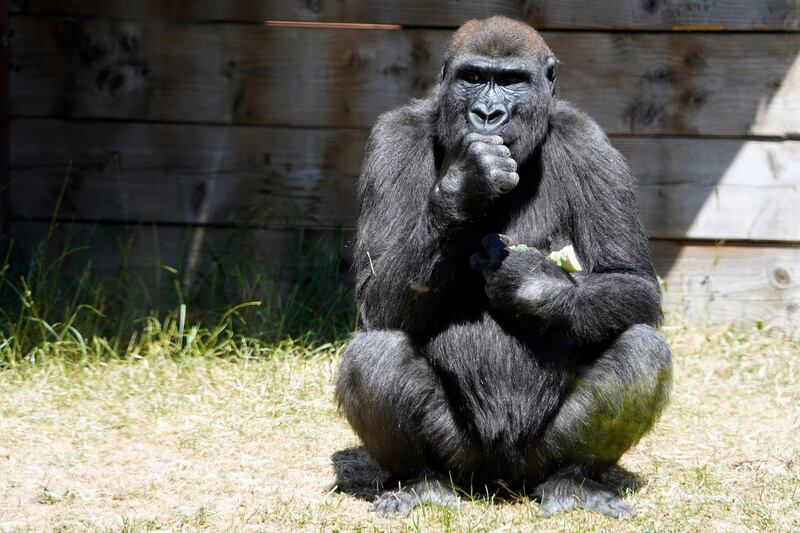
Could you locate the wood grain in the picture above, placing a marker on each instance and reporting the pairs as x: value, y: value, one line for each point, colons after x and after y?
x: 717, y: 188
x: 715, y: 84
x: 619, y: 14
x: 282, y: 177
x: 436, y: 13
x: 677, y: 15
x: 706, y: 284
x: 186, y: 174
x: 731, y: 284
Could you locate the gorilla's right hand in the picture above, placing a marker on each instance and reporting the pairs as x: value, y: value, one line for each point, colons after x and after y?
x: 479, y: 169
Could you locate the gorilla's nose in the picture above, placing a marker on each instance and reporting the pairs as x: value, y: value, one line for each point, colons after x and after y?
x: 488, y: 118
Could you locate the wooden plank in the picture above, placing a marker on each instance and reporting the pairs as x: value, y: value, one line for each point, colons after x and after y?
x: 699, y: 188
x: 717, y: 188
x: 731, y: 284
x: 680, y: 15
x: 619, y: 14
x: 437, y: 13
x: 718, y: 84
x: 707, y: 284
x: 5, y: 207
x: 186, y: 174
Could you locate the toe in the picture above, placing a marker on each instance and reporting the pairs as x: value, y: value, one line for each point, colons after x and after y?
x: 391, y: 504
x: 555, y: 505
x: 381, y: 505
x: 617, y: 508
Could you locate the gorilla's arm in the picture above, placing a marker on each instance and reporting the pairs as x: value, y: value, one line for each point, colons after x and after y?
x: 618, y: 286
x: 411, y: 220
x: 400, y: 252
x: 593, y: 307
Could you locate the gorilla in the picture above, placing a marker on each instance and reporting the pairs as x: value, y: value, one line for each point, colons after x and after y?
x: 481, y: 363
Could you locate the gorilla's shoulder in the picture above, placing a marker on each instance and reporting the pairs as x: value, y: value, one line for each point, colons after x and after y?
x: 568, y: 124
x: 577, y: 145
x: 406, y: 123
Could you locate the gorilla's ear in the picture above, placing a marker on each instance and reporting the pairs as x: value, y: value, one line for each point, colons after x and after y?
x: 445, y: 68
x: 551, y: 66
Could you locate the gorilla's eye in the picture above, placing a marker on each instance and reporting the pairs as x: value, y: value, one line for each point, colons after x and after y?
x: 472, y: 76
x: 511, y: 78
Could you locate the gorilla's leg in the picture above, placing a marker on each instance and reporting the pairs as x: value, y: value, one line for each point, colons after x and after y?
x: 611, y: 405
x: 394, y: 402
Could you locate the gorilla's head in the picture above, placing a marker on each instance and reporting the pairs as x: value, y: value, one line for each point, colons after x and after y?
x: 498, y: 78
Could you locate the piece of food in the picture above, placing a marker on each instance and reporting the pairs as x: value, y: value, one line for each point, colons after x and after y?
x: 519, y: 247
x: 567, y: 259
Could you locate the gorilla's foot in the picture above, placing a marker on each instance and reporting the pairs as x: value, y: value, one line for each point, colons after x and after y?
x: 427, y: 490
x: 569, y: 489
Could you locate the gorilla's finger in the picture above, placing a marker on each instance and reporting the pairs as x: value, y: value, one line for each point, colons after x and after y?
x: 495, y: 246
x: 505, y: 181
x: 508, y: 241
x: 478, y: 262
x: 505, y: 163
x: 479, y: 137
x: 499, y: 150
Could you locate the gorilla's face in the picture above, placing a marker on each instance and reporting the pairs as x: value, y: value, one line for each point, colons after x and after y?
x: 509, y: 97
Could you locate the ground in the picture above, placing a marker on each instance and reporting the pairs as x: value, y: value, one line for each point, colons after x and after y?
x: 226, y: 444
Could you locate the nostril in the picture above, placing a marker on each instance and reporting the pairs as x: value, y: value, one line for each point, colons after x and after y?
x: 496, y: 115
x: 479, y: 113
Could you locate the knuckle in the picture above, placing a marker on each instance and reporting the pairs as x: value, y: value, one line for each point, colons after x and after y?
x: 498, y: 174
x: 469, y: 138
x: 509, y: 181
x: 497, y: 149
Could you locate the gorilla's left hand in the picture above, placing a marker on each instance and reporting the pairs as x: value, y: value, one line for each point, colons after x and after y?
x: 513, y: 272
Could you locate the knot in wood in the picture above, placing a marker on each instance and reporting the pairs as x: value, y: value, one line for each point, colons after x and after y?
x: 781, y: 278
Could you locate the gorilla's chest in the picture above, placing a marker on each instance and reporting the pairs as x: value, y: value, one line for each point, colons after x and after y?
x: 535, y: 214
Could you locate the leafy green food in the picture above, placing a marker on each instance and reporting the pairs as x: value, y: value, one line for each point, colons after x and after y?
x: 567, y: 259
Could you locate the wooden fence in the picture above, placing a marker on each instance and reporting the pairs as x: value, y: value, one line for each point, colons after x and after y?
x: 181, y: 120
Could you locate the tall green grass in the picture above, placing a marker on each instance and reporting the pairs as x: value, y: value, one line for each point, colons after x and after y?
x: 54, y: 303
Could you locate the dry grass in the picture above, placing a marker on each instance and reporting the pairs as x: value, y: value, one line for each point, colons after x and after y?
x: 205, y: 443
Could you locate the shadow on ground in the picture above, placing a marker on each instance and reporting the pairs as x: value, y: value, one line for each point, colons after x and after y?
x: 358, y: 475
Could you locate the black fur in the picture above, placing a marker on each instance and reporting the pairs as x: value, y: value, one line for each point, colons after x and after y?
x: 519, y: 372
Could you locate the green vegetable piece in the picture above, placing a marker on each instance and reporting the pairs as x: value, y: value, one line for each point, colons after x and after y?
x: 519, y: 248
x: 567, y: 259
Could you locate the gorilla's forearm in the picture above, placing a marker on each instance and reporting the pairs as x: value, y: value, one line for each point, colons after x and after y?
x: 594, y: 307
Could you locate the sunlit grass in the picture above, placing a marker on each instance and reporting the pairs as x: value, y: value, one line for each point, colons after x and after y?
x: 240, y: 439
x: 211, y: 409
